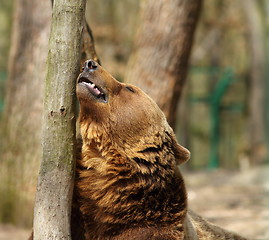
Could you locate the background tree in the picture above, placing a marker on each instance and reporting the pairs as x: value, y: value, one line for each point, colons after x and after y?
x: 266, y: 34
x: 159, y: 62
x: 57, y: 170
x: 257, y: 76
x: 21, y: 125
x: 6, y: 8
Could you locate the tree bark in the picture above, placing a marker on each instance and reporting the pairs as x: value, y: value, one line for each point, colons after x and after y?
x: 266, y: 6
x: 159, y: 62
x: 88, y: 46
x: 55, y: 183
x: 20, y: 133
x: 257, y: 82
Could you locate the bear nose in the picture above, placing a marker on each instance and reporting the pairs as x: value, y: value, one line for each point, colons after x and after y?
x: 89, y: 65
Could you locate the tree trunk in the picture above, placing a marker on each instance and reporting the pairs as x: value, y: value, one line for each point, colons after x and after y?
x: 257, y: 81
x: 55, y: 183
x: 266, y: 6
x: 88, y: 46
x: 162, y: 48
x: 21, y: 126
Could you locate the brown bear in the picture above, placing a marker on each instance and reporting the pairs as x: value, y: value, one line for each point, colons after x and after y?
x: 128, y: 185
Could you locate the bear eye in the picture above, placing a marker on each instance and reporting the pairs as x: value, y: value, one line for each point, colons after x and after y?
x: 130, y: 89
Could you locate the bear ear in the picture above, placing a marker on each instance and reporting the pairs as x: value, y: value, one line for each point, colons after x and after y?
x: 181, y: 154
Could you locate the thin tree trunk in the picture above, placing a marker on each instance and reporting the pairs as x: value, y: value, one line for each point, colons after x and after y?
x: 88, y: 46
x: 257, y: 81
x: 162, y: 48
x: 55, y: 184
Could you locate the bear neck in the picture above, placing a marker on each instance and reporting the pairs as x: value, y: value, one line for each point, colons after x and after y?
x: 119, y: 190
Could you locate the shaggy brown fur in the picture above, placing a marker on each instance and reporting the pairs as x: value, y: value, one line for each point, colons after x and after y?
x: 128, y: 185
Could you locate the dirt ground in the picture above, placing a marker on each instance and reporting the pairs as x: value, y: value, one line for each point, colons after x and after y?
x: 238, y: 201
x: 9, y: 232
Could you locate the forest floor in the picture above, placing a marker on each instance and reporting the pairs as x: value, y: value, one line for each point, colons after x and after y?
x: 238, y: 201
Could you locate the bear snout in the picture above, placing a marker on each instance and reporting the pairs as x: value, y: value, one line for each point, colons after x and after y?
x: 90, y: 66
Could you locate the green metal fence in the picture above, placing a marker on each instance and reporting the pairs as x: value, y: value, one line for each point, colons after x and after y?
x: 224, y: 79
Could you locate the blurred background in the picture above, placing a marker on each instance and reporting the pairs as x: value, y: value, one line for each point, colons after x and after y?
x: 222, y: 116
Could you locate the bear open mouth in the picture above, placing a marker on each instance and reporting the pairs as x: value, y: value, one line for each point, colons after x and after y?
x: 95, y: 90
